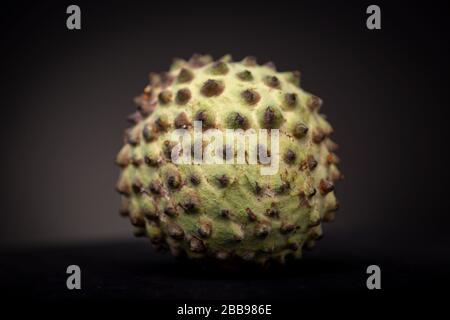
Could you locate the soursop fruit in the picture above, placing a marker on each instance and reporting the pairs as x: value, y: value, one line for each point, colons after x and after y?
x: 228, y: 211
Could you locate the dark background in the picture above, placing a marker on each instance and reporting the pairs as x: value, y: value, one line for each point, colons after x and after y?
x: 65, y: 94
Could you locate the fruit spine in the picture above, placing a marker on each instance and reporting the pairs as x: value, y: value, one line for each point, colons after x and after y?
x: 228, y: 212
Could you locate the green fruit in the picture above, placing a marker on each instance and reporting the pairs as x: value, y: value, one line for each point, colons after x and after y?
x: 228, y: 211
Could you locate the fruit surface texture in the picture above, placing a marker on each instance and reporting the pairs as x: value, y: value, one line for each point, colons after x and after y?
x: 228, y: 211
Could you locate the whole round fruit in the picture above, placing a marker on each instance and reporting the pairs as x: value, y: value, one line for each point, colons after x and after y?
x: 228, y: 211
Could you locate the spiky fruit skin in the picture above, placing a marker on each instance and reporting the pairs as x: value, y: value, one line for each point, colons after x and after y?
x: 223, y: 211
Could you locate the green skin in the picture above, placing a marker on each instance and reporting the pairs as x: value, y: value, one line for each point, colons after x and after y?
x: 250, y: 217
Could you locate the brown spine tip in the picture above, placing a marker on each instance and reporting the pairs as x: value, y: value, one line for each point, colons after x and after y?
x: 124, y: 207
x: 290, y: 99
x: 174, y: 180
x: 197, y: 245
x: 206, y: 118
x: 250, y: 96
x: 154, y: 79
x: 148, y: 92
x: 325, y: 186
x: 132, y: 138
x: 190, y: 205
x: 162, y: 123
x: 204, y: 230
x: 272, y: 118
x: 124, y: 212
x: 239, y: 121
x: 249, y: 61
x: 185, y: 75
x: 312, y: 192
x: 289, y: 157
x: 262, y: 229
x: 224, y: 213
x: 245, y: 75
x: 258, y: 188
x: 137, y: 186
x: 175, y: 231
x: 329, y: 216
x: 314, y: 103
x: 335, y: 206
x: 126, y: 135
x: 295, y: 78
x: 251, y: 215
x: 156, y: 240
x: 331, y: 145
x: 167, y: 148
x: 285, y: 186
x: 147, y: 107
x: 332, y: 158
x: 318, y: 136
x: 145, y: 97
x: 212, y: 88
x: 300, y: 130
x: 198, y: 60
x: 139, y: 232
x: 148, y: 134
x: 248, y: 255
x: 311, y: 163
x: 182, y: 121
x: 267, y: 249
x: 165, y: 96
x: 293, y: 246
x: 151, y: 214
x: 135, y: 161
x: 238, y: 236
x: 222, y: 255
x: 137, y: 221
x: 155, y: 187
x: 123, y: 187
x: 223, y: 181
x: 272, y: 81
x: 152, y: 161
x: 135, y: 117
x: 177, y: 63
x: 170, y: 211
x: 227, y: 58
x: 304, y: 199
x: 272, y: 212
x: 195, y: 180
x: 183, y: 96
x: 123, y: 158
x: 270, y: 65
x: 269, y: 116
x: 166, y: 79
x: 336, y: 175
x: 314, y: 222
x: 287, y: 227
x: 219, y: 68
x: 202, y: 116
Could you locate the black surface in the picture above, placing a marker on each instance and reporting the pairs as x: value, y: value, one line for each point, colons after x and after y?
x: 133, y: 271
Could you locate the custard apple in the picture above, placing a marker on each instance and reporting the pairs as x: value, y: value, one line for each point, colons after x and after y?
x: 228, y: 211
